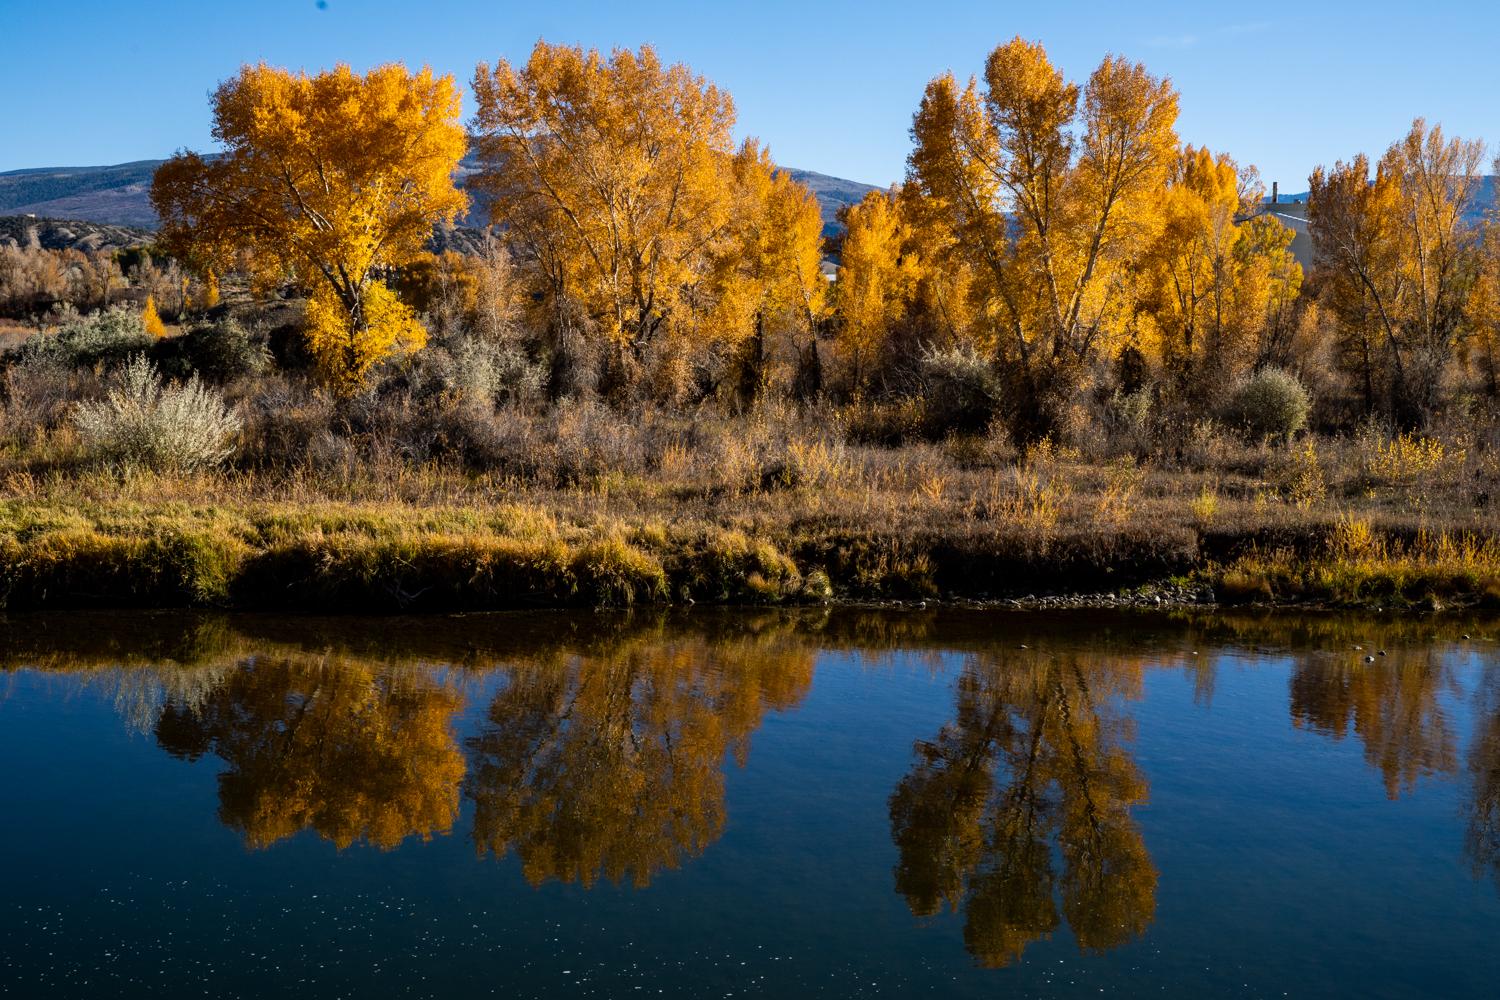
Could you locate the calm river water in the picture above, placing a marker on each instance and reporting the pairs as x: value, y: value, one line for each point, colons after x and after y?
x: 819, y: 803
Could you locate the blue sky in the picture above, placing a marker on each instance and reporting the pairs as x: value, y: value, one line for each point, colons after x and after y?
x: 830, y: 86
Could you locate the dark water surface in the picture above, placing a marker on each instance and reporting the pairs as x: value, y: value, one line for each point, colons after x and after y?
x: 778, y: 804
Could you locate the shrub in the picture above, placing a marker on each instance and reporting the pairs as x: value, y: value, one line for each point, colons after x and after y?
x: 105, y: 338
x: 1405, y: 460
x: 142, y: 423
x: 220, y: 352
x: 961, y: 390
x: 1300, y: 477
x: 286, y: 423
x: 1270, y: 403
x: 492, y: 372
x: 39, y: 395
x: 885, y: 423
x: 343, y: 353
x: 1127, y: 420
x: 1205, y: 505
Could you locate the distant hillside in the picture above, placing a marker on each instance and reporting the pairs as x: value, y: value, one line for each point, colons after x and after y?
x: 833, y: 193
x: 120, y: 194
x: 68, y: 234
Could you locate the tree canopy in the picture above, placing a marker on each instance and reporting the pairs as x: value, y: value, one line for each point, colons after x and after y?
x: 331, y: 180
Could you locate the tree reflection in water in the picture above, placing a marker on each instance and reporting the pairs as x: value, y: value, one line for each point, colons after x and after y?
x: 607, y: 762
x: 1034, y: 757
x: 602, y: 753
x: 1482, y: 804
x: 1391, y: 705
x: 611, y: 764
x: 330, y: 744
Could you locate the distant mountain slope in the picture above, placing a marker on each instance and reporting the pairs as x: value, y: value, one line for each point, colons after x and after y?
x: 68, y: 234
x: 120, y: 194
x: 116, y: 195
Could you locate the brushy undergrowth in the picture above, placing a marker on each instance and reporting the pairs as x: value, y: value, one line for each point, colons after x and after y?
x: 457, y: 481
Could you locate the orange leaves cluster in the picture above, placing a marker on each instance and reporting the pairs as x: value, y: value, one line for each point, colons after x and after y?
x: 1217, y: 283
x: 1397, y: 260
x: 1050, y: 190
x: 1056, y: 224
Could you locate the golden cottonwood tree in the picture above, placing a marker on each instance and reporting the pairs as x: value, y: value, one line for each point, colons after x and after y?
x: 1481, y: 349
x: 900, y: 287
x: 613, y: 174
x: 874, y: 281
x: 771, y: 266
x: 1217, y: 284
x: 618, y: 184
x: 1051, y: 192
x: 1396, y: 258
x: 333, y: 180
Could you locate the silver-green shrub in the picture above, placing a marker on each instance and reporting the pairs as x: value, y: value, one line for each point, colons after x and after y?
x: 960, y: 390
x: 143, y: 423
x: 107, y: 336
x: 1270, y: 403
x: 490, y: 371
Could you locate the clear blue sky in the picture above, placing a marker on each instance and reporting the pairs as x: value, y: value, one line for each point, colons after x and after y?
x: 831, y: 86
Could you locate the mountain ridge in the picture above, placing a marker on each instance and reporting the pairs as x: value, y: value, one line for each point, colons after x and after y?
x: 119, y: 194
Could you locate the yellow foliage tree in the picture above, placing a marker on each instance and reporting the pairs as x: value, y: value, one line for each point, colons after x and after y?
x: 1051, y: 192
x: 332, y: 180
x: 1217, y: 284
x: 611, y: 172
x: 874, y: 281
x: 151, y: 319
x: 901, y: 287
x: 1396, y: 258
x: 770, y: 265
x: 1481, y: 349
x: 617, y: 181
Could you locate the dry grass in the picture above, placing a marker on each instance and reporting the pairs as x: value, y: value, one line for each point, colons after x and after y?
x: 764, y: 509
x: 417, y: 496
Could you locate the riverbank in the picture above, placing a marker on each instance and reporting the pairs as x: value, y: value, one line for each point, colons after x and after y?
x: 320, y: 555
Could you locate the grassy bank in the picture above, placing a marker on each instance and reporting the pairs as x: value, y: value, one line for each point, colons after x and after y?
x: 341, y: 555
x: 426, y: 494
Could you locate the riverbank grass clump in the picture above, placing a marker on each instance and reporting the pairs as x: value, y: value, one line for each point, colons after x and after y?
x: 1360, y: 568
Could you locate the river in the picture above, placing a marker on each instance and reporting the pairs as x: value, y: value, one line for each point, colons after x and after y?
x: 770, y: 803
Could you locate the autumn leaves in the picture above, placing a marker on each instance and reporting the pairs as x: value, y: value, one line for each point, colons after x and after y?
x: 614, y: 182
x: 1045, y: 224
x: 1059, y: 226
x: 328, y: 181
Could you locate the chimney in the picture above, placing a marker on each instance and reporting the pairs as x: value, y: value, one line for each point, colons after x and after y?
x: 1273, y: 194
